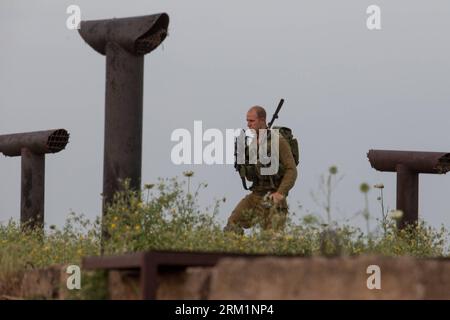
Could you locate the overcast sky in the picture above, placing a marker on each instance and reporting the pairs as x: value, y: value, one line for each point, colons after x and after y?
x: 347, y: 90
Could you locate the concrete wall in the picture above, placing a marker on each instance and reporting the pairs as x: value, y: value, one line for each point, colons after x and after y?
x: 267, y: 278
x: 304, y: 278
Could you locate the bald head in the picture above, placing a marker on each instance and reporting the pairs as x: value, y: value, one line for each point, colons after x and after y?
x: 256, y: 118
x: 260, y: 112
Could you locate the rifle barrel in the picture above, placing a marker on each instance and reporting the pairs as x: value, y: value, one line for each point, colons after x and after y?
x: 275, y: 115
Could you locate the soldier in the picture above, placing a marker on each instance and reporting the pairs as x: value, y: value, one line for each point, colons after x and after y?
x: 253, y: 208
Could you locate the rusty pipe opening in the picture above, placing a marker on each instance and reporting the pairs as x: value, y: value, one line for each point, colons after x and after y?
x: 443, y: 164
x: 150, y: 41
x: 57, y: 141
x: 152, y: 38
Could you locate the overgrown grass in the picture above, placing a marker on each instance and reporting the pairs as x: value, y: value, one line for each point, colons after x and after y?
x: 165, y: 217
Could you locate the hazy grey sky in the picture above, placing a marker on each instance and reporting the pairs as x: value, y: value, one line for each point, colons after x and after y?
x: 347, y: 90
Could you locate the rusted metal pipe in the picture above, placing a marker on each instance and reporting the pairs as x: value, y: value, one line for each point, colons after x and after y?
x: 32, y: 147
x: 407, y: 195
x: 124, y: 41
x: 33, y: 189
x: 418, y: 161
x: 39, y: 142
x: 408, y: 165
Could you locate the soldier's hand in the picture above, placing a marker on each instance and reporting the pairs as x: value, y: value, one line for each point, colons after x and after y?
x: 276, y: 197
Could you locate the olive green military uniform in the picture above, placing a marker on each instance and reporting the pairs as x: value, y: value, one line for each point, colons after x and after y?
x: 251, y: 209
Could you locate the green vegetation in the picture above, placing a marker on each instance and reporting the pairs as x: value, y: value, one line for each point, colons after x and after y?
x: 166, y: 217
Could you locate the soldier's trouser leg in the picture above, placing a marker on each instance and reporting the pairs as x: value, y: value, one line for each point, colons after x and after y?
x: 275, y: 217
x: 250, y: 211
x: 245, y: 214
